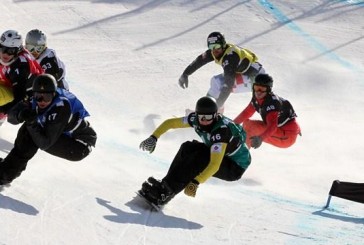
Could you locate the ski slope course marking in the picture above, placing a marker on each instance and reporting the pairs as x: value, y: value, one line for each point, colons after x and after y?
x: 282, y: 18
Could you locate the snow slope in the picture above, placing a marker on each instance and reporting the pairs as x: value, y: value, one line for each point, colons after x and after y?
x: 124, y: 58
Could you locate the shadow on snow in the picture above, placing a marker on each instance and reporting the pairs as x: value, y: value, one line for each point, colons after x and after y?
x: 153, y: 219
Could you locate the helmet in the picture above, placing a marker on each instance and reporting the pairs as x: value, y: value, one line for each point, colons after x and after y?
x: 44, y: 83
x: 206, y: 106
x: 11, y: 41
x: 216, y: 38
x: 264, y: 80
x: 36, y: 41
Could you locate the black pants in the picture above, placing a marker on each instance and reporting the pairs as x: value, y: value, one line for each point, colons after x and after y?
x: 24, y: 149
x: 191, y: 159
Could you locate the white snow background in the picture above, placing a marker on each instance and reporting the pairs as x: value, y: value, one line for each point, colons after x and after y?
x: 123, y: 61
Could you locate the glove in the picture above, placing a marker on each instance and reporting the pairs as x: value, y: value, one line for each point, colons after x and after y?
x: 28, y: 115
x: 149, y: 144
x: 191, y: 188
x: 183, y: 81
x: 256, y: 141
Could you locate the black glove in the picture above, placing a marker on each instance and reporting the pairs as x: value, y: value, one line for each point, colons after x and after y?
x: 28, y: 115
x: 149, y: 144
x: 191, y: 188
x: 256, y: 141
x: 183, y: 81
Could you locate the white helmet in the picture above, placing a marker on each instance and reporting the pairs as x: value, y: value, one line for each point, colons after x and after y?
x: 36, y: 41
x: 11, y: 39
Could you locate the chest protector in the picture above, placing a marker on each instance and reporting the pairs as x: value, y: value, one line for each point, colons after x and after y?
x: 273, y: 102
x: 243, y: 53
x: 236, y: 149
x: 77, y: 109
x: 24, y: 56
x: 236, y: 130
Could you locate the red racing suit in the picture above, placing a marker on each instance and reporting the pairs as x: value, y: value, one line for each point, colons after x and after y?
x: 278, y: 126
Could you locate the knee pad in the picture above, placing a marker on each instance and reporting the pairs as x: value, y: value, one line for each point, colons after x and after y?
x: 216, y: 83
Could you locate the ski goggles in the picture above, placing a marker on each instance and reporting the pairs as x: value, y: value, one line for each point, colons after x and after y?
x: 215, y: 46
x: 208, y: 117
x: 43, y: 97
x: 35, y: 48
x: 9, y: 50
x: 258, y: 88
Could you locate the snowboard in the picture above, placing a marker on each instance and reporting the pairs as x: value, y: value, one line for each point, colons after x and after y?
x: 154, y: 206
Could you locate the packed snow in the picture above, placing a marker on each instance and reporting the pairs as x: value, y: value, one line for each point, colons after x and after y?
x: 124, y: 58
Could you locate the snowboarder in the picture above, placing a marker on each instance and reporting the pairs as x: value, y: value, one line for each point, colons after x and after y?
x: 221, y: 154
x: 240, y: 66
x: 54, y: 121
x: 278, y: 126
x: 17, y: 71
x: 36, y: 44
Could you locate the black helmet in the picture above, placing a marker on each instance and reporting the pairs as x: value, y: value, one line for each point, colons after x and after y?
x: 206, y: 106
x: 44, y: 83
x: 216, y: 38
x: 264, y: 80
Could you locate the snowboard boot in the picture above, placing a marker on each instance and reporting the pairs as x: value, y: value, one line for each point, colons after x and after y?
x: 165, y: 192
x: 157, y: 191
x: 145, y: 192
x: 150, y: 192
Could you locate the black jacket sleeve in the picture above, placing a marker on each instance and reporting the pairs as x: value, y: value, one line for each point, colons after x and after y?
x: 200, y: 61
x: 13, y: 113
